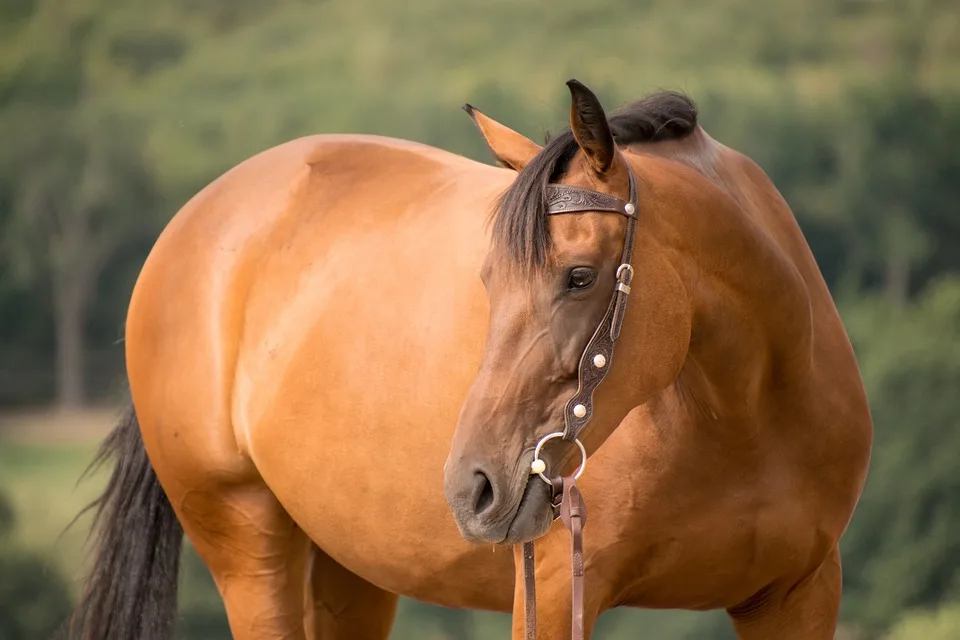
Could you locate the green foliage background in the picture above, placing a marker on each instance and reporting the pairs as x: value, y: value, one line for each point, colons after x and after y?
x: 113, y: 113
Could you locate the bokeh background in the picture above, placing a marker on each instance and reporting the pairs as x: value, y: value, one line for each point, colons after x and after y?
x: 113, y: 113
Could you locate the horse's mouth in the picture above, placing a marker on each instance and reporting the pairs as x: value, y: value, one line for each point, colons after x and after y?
x: 533, y: 515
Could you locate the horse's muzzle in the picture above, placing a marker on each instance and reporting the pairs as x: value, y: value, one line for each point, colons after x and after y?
x: 488, y: 509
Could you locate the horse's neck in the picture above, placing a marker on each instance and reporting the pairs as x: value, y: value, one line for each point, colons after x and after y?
x: 751, y: 332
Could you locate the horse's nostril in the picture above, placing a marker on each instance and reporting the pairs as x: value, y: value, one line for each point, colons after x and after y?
x: 485, y: 493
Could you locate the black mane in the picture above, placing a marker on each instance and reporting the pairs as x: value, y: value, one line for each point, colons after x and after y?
x: 520, y: 223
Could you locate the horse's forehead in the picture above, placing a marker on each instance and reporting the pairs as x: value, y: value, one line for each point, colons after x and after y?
x: 577, y: 234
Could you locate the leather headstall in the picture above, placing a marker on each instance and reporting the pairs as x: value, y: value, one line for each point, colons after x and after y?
x: 598, y: 354
x: 595, y: 361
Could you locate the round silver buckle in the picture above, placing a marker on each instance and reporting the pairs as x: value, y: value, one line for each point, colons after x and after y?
x: 539, y: 469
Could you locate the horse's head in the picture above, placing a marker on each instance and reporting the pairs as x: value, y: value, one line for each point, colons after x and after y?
x: 550, y: 280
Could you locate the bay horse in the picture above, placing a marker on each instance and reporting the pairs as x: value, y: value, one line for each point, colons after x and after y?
x: 339, y: 373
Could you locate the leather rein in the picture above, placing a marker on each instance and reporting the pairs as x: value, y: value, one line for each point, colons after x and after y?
x: 594, y: 365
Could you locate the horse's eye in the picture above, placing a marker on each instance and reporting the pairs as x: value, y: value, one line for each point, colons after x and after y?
x: 581, y: 278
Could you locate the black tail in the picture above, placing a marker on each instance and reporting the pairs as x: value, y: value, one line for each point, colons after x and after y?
x: 131, y: 593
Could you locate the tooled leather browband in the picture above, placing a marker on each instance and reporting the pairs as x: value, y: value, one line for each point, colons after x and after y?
x: 597, y: 357
x: 565, y: 199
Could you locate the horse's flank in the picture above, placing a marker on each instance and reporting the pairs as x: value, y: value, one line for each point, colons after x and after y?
x: 320, y: 277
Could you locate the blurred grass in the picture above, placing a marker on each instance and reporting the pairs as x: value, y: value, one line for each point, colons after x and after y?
x: 42, y: 456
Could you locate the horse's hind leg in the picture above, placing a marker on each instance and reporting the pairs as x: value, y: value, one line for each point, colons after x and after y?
x: 807, y: 610
x: 345, y: 606
x: 256, y: 554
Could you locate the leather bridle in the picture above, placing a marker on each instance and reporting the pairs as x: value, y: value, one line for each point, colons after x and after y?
x: 594, y: 365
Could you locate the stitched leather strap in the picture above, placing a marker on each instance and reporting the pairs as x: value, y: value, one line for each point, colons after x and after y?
x: 573, y: 513
x: 529, y: 591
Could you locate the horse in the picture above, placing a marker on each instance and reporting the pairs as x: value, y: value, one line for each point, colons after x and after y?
x: 348, y: 357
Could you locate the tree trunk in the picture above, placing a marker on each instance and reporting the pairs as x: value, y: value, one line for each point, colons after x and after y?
x: 70, y: 314
x: 898, y: 280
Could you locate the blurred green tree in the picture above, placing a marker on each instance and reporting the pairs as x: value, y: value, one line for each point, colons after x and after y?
x: 901, y: 550
x: 82, y: 192
x: 940, y: 624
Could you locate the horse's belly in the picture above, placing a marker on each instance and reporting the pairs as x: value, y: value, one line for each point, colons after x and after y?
x: 362, y: 474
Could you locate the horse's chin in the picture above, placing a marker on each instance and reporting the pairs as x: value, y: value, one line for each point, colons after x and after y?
x: 533, y: 516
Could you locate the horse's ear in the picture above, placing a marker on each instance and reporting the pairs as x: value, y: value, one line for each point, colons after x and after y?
x: 589, y: 125
x: 510, y: 149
